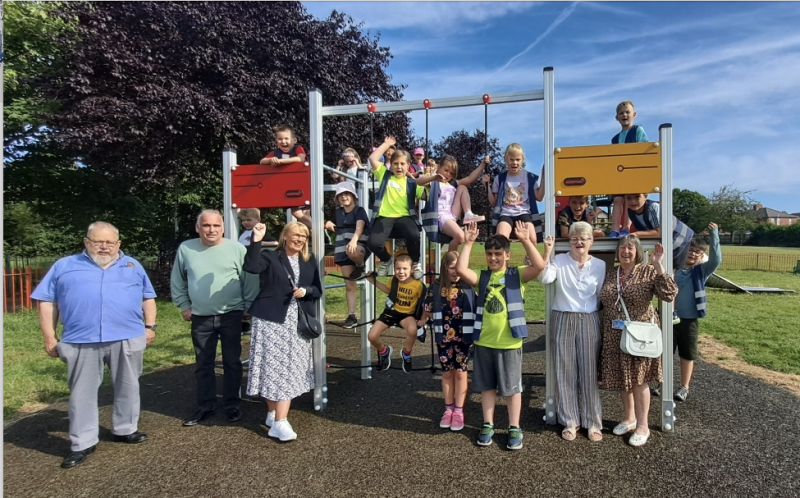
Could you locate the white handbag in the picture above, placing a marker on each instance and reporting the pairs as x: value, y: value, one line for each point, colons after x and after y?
x: 639, y: 338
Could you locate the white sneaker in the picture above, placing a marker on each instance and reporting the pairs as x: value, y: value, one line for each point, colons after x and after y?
x: 418, y: 273
x: 282, y: 430
x: 383, y: 268
x: 270, y: 419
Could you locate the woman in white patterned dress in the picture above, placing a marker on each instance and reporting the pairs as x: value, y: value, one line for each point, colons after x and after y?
x: 281, y: 364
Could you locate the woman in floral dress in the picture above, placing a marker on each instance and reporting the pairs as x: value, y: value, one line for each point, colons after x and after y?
x: 281, y: 363
x: 638, y: 283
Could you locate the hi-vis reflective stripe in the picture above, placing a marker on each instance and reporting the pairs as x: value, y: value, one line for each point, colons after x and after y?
x: 514, y: 307
x: 437, y: 322
x: 430, y: 216
x: 468, y: 316
x: 516, y: 322
x: 682, y: 234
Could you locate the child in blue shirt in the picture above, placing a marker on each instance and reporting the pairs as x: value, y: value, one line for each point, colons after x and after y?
x: 630, y: 133
x: 644, y: 215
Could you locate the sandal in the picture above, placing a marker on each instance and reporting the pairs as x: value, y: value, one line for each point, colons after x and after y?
x: 569, y: 433
x: 595, y: 434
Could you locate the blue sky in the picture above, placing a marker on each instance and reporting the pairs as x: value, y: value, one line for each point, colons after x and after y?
x: 725, y: 74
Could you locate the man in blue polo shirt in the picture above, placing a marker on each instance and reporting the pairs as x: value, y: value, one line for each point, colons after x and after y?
x: 101, y: 297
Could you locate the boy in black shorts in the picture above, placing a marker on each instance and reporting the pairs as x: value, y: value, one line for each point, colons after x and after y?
x: 401, y: 307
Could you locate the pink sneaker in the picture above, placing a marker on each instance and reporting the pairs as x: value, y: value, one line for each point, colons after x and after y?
x: 458, y: 420
x: 447, y: 419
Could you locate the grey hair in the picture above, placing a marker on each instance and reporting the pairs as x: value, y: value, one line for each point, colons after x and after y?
x: 100, y: 224
x: 630, y: 239
x: 208, y: 211
x: 581, y: 228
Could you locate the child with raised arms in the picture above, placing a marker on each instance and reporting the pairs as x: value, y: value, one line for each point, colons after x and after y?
x: 287, y: 151
x: 402, y: 306
x: 394, y: 211
x: 350, y: 251
x: 514, y: 194
x: 448, y: 198
x: 500, y: 326
x: 450, y: 303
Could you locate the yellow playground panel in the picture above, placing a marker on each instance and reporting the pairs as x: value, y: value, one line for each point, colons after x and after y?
x: 608, y: 169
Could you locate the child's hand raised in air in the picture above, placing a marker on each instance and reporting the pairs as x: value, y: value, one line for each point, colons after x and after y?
x: 712, y: 226
x: 521, y: 228
x: 471, y: 232
x: 390, y: 140
x: 548, y: 243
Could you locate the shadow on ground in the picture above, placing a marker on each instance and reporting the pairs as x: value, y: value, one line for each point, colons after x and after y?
x: 735, y: 436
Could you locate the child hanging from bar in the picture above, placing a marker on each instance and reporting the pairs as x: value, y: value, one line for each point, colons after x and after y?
x: 403, y: 308
x: 287, y: 151
x: 394, y: 213
x: 514, y: 194
x: 350, y: 251
x: 447, y: 199
x: 451, y: 304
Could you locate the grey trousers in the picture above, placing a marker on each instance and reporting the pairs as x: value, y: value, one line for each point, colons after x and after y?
x: 85, y: 370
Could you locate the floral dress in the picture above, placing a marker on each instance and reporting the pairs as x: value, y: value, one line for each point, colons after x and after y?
x: 621, y: 371
x: 281, y: 362
x: 453, y: 351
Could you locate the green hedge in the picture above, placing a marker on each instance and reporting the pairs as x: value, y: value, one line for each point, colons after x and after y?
x: 767, y: 234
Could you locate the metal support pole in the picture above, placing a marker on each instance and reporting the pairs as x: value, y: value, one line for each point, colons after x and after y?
x: 667, y: 226
x: 318, y: 240
x: 228, y: 208
x: 549, y: 229
x: 367, y: 303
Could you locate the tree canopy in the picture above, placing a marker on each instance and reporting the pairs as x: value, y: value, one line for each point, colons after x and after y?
x: 691, y: 208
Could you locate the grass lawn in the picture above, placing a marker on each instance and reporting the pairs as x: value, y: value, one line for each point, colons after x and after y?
x: 763, y: 327
x: 734, y: 249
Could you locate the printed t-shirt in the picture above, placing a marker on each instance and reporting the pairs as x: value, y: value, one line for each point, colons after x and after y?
x: 515, y: 201
x: 408, y: 294
x: 496, y: 330
x: 395, y: 203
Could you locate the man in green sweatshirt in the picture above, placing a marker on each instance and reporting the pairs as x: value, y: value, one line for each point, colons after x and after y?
x: 213, y: 291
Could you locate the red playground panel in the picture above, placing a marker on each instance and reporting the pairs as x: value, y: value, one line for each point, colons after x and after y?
x: 267, y: 186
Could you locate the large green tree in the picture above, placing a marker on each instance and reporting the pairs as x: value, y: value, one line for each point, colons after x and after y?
x: 732, y: 209
x: 151, y: 93
x: 691, y: 208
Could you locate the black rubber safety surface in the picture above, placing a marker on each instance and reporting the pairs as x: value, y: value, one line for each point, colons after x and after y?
x: 735, y: 436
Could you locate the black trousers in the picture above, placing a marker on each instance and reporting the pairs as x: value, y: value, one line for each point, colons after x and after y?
x: 206, y: 330
x: 396, y: 228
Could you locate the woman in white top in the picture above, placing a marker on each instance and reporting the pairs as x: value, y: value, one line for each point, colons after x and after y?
x: 575, y: 323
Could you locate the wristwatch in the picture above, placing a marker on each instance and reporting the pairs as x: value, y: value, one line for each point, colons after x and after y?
x: 151, y: 327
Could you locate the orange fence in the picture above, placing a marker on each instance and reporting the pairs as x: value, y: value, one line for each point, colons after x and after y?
x: 759, y: 261
x: 17, y: 287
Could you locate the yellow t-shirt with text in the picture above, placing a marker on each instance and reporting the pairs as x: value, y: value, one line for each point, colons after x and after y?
x: 408, y: 294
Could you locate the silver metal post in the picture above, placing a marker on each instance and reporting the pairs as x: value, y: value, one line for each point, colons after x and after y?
x: 228, y: 208
x: 367, y: 303
x: 667, y: 226
x: 549, y: 229
x: 318, y: 239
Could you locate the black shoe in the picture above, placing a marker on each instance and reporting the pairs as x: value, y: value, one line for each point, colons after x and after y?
x: 385, y: 360
x: 406, y: 361
x: 77, y: 457
x: 197, y: 417
x: 357, y: 272
x: 350, y: 323
x: 655, y: 391
x: 234, y: 414
x: 136, y: 437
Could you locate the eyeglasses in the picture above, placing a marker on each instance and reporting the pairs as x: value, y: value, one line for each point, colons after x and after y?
x: 100, y: 243
x: 697, y: 252
x: 575, y: 240
x: 298, y: 236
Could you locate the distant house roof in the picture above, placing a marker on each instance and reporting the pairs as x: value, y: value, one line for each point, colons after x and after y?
x: 771, y: 213
x: 796, y: 214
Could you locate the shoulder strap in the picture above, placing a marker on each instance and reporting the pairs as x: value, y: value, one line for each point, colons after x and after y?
x: 393, y: 289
